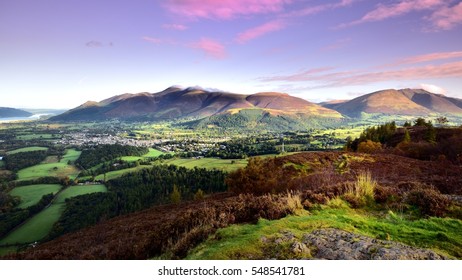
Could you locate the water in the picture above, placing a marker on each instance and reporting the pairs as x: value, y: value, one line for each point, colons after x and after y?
x: 31, y: 118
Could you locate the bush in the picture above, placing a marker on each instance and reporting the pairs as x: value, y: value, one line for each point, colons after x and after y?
x: 429, y: 201
x: 369, y: 147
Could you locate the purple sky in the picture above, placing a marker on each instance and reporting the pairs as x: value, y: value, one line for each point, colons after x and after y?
x: 59, y: 54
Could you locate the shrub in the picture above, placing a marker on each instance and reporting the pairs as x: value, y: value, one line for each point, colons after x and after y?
x: 294, y: 203
x: 429, y: 201
x: 369, y: 147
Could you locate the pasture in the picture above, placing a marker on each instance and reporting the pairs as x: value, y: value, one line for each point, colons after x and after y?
x: 78, y: 190
x: 27, y: 149
x: 226, y: 165
x: 55, y: 169
x: 31, y: 194
x: 151, y: 154
x: 38, y: 227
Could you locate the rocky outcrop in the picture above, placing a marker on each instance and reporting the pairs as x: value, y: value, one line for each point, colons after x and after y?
x: 335, y: 244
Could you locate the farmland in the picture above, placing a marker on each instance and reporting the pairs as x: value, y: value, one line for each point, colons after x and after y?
x: 40, y: 225
x: 31, y: 194
x: 56, y: 169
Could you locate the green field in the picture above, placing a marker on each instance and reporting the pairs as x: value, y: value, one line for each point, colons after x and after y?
x: 36, y: 228
x: 116, y: 174
x: 40, y: 225
x: 227, y: 165
x: 27, y: 149
x: 57, y: 169
x: 8, y: 249
x: 151, y: 154
x: 2, y: 164
x: 35, y: 136
x: 31, y: 195
x: 78, y: 190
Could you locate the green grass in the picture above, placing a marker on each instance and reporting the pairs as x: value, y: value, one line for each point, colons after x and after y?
x: 152, y: 153
x: 78, y: 190
x: 36, y: 228
x: 244, y: 241
x: 40, y: 225
x: 34, y: 136
x: 27, y: 149
x: 31, y: 195
x: 57, y: 169
x: 116, y: 174
x: 209, y: 163
x: 2, y: 164
x: 8, y: 249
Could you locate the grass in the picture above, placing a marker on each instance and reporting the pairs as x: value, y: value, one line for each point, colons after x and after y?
x: 34, y: 136
x: 40, y: 225
x: 27, y: 149
x: 31, y: 195
x: 36, y: 228
x: 244, y: 241
x: 227, y: 165
x: 2, y: 164
x: 152, y: 153
x: 8, y: 249
x: 78, y: 190
x: 55, y: 169
x: 116, y: 174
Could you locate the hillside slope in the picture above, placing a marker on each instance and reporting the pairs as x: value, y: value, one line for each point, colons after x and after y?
x: 415, y: 102
x: 6, y: 112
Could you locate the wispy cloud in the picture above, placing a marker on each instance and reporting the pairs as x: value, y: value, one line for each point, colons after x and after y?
x: 211, y: 48
x: 175, y: 26
x: 433, y: 88
x: 159, y: 41
x: 94, y: 44
x: 447, y: 17
x: 260, y: 30
x: 325, y: 78
x: 223, y: 9
x: 428, y: 57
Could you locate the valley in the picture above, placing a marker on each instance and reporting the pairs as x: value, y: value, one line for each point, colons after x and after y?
x: 227, y: 176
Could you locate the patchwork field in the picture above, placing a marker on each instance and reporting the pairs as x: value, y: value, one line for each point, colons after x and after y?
x: 27, y: 149
x: 152, y: 153
x: 35, y: 136
x: 40, y: 225
x: 31, y: 195
x: 227, y: 165
x: 55, y: 169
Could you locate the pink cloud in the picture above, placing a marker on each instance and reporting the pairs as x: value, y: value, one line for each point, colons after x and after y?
x: 348, y: 78
x: 447, y: 17
x: 382, y: 12
x: 259, y: 31
x: 429, y: 57
x: 159, y: 41
x: 223, y: 9
x: 212, y: 48
x: 312, y: 10
x: 179, y: 27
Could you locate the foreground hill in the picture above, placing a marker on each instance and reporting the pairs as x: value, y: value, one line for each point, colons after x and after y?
x: 415, y: 102
x: 6, y: 112
x: 177, y: 103
x: 324, y: 181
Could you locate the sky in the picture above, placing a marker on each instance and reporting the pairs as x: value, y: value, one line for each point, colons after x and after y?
x: 60, y: 54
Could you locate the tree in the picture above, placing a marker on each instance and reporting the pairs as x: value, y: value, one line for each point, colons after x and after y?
x: 199, y: 195
x: 407, y: 136
x: 407, y: 124
x: 442, y: 121
x: 420, y: 122
x: 369, y: 146
x: 175, y: 196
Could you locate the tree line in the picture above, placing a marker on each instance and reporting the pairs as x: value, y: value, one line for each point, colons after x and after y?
x: 137, y: 191
x: 94, y: 155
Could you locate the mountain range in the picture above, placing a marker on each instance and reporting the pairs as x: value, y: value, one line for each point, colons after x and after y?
x: 6, y: 112
x: 204, y: 107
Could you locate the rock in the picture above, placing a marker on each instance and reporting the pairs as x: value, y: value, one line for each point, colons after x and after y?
x: 335, y: 244
x: 300, y: 249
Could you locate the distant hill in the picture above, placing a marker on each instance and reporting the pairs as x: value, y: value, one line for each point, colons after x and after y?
x: 6, y: 112
x: 195, y: 103
x: 416, y: 102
